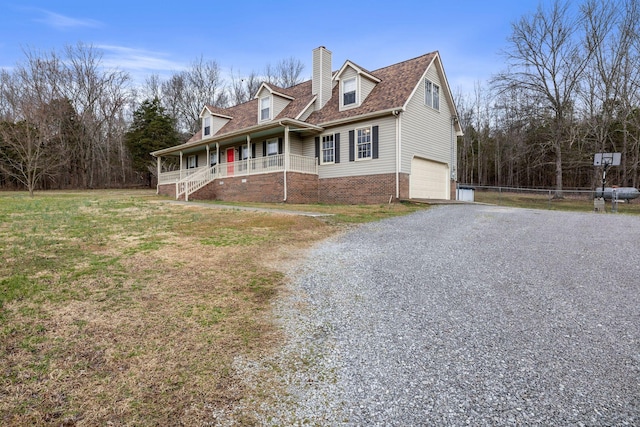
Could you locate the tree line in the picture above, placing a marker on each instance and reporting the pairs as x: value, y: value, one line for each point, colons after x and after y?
x: 66, y: 121
x: 570, y: 88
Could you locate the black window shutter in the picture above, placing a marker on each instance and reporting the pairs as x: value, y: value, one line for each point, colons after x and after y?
x: 196, y: 161
x: 352, y: 140
x: 264, y: 148
x: 318, y: 148
x: 375, y: 143
x: 280, y: 146
x: 336, y: 146
x: 253, y: 151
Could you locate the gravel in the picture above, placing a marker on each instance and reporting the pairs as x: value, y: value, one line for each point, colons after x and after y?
x: 465, y: 315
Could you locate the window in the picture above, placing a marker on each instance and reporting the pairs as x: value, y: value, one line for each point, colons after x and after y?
x: 213, y: 159
x: 432, y: 94
x: 207, y: 126
x: 349, y: 91
x: 327, y: 150
x: 244, y: 152
x: 363, y: 143
x: 192, y: 162
x: 272, y: 147
x: 265, y: 103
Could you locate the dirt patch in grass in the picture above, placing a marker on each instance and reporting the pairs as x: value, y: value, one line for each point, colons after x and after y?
x: 115, y: 310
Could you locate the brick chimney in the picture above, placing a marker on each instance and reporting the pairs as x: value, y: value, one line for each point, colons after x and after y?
x: 321, y: 80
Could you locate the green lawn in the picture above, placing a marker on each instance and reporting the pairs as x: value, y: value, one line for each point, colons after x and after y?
x: 119, y: 308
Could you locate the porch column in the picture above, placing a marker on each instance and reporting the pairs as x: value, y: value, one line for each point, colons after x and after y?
x: 181, y: 165
x: 217, y: 158
x: 208, y: 157
x: 248, y: 154
x: 158, y: 165
x: 286, y: 159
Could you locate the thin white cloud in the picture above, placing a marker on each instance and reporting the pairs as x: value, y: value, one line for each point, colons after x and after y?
x: 63, y: 22
x: 128, y: 58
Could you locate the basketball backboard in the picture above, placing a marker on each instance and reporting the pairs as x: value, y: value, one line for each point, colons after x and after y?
x: 607, y: 159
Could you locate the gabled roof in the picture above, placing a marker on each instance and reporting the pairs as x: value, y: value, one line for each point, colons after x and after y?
x: 215, y: 111
x: 360, y: 70
x: 273, y: 89
x: 395, y: 85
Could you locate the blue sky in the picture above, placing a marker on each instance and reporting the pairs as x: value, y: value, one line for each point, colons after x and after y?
x: 145, y: 37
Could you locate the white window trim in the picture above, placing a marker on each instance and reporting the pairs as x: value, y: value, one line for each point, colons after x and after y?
x: 333, y: 139
x: 357, y: 159
x: 206, y: 123
x: 260, y: 109
x: 357, y: 100
x: 428, y: 96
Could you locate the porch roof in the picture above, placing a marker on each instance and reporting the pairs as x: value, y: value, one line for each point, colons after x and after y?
x: 299, y: 126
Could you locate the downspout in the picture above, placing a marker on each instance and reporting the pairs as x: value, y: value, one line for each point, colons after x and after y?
x: 452, y: 173
x: 397, y: 115
x: 286, y: 159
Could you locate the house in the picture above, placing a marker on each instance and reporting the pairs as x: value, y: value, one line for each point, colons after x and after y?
x: 346, y: 136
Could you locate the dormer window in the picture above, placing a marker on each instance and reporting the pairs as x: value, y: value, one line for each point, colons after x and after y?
x: 206, y: 126
x: 349, y: 92
x: 265, y: 110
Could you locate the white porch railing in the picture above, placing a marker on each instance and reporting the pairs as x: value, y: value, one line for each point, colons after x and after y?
x: 175, y: 176
x: 189, y: 180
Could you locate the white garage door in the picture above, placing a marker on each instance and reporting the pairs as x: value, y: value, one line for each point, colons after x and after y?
x: 429, y: 180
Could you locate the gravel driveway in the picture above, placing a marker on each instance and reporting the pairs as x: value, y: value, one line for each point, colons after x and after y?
x: 468, y: 315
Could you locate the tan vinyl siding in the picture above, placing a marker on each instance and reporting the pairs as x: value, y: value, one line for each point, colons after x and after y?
x: 385, y: 163
x: 295, y: 144
x: 278, y: 104
x: 426, y: 132
x: 366, y: 86
x: 217, y: 123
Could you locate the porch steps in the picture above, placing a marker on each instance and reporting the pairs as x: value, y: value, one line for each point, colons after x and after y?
x: 193, y: 183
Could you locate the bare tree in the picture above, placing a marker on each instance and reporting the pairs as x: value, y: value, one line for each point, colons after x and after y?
x: 547, y: 60
x: 29, y: 135
x: 185, y: 93
x: 289, y: 72
x: 242, y: 89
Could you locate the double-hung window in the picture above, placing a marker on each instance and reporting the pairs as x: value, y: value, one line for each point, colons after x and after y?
x: 327, y: 149
x: 363, y: 143
x: 272, y: 150
x: 207, y: 126
x: 349, y: 91
x: 431, y: 94
x: 213, y: 159
x: 265, y: 110
x: 192, y: 162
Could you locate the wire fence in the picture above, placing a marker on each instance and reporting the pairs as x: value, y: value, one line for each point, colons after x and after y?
x: 540, y: 198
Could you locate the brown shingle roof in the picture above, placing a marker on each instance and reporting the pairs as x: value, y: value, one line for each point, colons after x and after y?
x: 396, y: 85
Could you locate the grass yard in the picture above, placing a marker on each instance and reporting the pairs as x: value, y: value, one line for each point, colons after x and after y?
x: 117, y: 308
x: 541, y: 201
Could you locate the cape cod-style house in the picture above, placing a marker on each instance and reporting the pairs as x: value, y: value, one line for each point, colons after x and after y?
x: 345, y: 136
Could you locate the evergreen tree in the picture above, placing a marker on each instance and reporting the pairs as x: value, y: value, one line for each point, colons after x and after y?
x: 152, y: 129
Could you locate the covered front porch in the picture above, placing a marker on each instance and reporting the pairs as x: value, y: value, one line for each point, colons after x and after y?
x: 274, y: 150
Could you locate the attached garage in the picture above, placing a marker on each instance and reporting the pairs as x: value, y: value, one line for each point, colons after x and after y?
x: 429, y: 179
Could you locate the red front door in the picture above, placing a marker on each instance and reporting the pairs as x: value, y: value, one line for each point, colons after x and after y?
x: 230, y: 160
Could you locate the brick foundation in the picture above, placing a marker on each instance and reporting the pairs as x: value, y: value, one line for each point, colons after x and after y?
x: 265, y: 188
x: 301, y: 188
x: 368, y: 189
